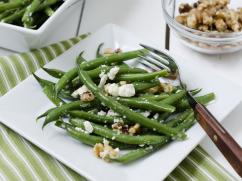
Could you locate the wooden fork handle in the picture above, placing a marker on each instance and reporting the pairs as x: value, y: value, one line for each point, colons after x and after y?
x: 221, y: 138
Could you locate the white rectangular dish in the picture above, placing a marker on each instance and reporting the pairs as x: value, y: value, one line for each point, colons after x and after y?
x: 21, y: 39
x: 20, y: 107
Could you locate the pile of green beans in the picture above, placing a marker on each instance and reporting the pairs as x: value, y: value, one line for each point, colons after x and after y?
x: 28, y: 13
x: 169, y: 114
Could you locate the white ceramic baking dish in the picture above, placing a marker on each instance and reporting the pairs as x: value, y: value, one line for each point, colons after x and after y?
x: 61, y: 25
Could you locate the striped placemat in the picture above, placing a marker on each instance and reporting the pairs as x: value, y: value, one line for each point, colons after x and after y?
x: 22, y: 161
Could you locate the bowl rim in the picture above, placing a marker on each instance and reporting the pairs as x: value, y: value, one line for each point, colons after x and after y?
x: 226, y: 37
x: 45, y: 25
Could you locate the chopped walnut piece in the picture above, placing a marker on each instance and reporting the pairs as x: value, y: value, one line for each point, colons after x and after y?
x: 117, y: 126
x: 210, y: 15
x: 154, y: 89
x: 192, y: 21
x: 182, y: 19
x: 98, y: 148
x: 120, y: 127
x: 105, y: 151
x: 134, y: 129
x: 184, y: 8
x: 166, y: 87
x: 207, y: 19
x: 220, y: 25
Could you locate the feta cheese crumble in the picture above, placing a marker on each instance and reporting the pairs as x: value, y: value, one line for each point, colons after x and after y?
x: 145, y: 113
x: 103, y: 79
x: 101, y: 113
x: 156, y: 116
x: 88, y: 127
x: 112, y: 113
x: 126, y: 90
x: 112, y: 89
x: 113, y: 72
x: 80, y: 91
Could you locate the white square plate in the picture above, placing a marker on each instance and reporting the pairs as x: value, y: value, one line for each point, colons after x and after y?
x: 20, y: 107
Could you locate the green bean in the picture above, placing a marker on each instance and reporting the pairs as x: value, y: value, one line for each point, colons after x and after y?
x: 64, y: 109
x: 172, y: 99
x: 98, y: 52
x: 93, y: 117
x: 54, y: 72
x: 114, y: 58
x: 65, y: 79
x: 96, y: 72
x: 49, y: 11
x: 13, y: 17
x: 120, y: 57
x: 71, y: 74
x: 142, y: 103
x: 142, y: 77
x: 6, y: 13
x: 79, y: 135
x: 87, y: 138
x: 122, y: 70
x: 64, y: 94
x: 80, y: 59
x: 13, y: 5
x: 47, y: 3
x: 19, y: 11
x: 142, y: 86
x: 44, y: 114
x: 162, y: 117
x: 123, y: 110
x: 158, y: 97
x: 195, y: 91
x: 140, y: 153
x: 49, y: 90
x: 180, y: 118
x: 30, y: 10
x: 205, y: 99
x: 117, y: 136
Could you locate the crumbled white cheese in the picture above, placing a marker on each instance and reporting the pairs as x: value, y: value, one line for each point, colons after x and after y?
x: 80, y: 91
x: 126, y: 90
x: 112, y: 113
x: 88, y: 127
x: 113, y: 72
x: 101, y: 74
x: 111, y: 89
x: 118, y: 120
x: 103, y: 79
x: 146, y: 113
x: 156, y: 116
x: 105, y: 142
x: 101, y: 113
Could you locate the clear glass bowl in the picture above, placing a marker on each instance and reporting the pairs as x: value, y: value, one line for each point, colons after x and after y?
x: 205, y: 42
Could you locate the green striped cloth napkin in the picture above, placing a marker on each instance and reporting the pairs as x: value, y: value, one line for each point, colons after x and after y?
x: 22, y: 161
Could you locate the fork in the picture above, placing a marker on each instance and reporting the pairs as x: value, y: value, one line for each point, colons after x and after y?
x: 156, y: 60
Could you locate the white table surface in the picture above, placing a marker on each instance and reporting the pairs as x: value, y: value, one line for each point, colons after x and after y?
x: 145, y: 19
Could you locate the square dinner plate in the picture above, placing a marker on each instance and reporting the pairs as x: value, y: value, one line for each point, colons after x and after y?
x: 20, y: 107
